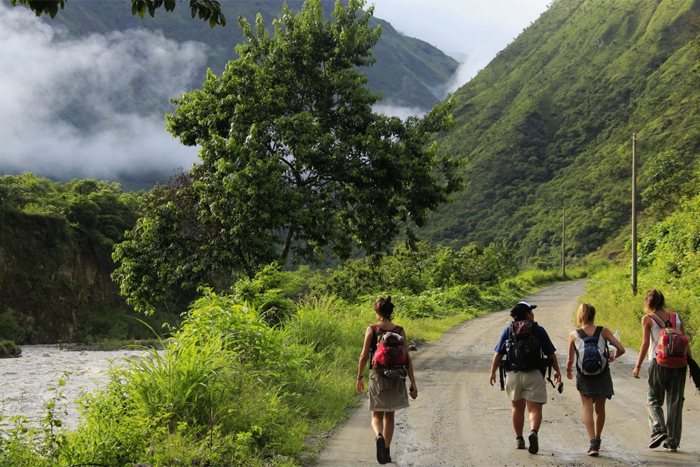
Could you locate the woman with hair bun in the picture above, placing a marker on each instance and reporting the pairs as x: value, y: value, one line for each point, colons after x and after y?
x: 386, y: 394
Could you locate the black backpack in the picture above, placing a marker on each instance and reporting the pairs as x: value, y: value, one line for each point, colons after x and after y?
x: 524, y: 353
x: 523, y: 350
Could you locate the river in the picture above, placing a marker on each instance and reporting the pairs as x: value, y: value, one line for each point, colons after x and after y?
x: 25, y: 381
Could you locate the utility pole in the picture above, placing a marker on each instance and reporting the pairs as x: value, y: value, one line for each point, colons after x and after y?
x: 634, y: 213
x: 563, y: 244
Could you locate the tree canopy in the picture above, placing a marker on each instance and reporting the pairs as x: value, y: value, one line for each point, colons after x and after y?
x: 294, y: 161
x: 207, y: 10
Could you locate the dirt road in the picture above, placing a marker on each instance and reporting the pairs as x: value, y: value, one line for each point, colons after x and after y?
x: 460, y: 420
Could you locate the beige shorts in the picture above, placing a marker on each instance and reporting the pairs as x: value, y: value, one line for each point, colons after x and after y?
x: 386, y: 394
x: 528, y: 385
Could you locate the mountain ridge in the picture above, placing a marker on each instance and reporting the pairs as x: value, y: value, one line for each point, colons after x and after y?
x: 556, y: 109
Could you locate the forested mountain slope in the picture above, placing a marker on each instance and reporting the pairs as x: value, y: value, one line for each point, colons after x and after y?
x: 409, y: 72
x: 548, y: 125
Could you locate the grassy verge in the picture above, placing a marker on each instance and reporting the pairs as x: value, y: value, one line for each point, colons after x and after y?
x: 618, y: 308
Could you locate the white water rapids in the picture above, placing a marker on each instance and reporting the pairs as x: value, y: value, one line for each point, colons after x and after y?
x: 25, y: 381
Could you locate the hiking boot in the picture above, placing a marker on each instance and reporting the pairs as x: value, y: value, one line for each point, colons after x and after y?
x: 594, y: 447
x: 388, y: 455
x: 381, y: 449
x: 657, y: 439
x: 534, y: 445
x: 519, y: 442
x: 669, y: 448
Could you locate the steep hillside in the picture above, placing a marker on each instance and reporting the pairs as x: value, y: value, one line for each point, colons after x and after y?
x: 55, y: 261
x: 548, y: 124
x: 409, y: 72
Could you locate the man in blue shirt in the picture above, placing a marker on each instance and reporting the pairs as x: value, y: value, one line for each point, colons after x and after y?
x: 526, y: 389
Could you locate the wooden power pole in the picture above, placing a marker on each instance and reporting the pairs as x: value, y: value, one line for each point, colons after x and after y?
x: 634, y: 213
x: 563, y: 244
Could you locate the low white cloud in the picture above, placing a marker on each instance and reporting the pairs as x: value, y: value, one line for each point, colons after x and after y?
x: 398, y: 111
x: 91, y: 107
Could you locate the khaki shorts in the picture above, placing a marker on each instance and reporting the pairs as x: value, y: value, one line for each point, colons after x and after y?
x: 528, y: 385
x: 386, y: 394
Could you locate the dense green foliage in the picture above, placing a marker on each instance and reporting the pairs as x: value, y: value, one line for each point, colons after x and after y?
x: 669, y: 259
x: 207, y: 10
x: 55, y: 245
x: 548, y: 125
x: 408, y: 70
x: 294, y: 162
x: 240, y: 385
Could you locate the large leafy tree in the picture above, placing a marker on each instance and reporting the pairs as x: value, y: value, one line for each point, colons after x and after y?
x: 207, y: 10
x: 293, y: 160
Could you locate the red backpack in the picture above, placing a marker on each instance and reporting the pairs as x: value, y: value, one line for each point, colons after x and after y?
x: 389, y: 357
x: 673, y: 344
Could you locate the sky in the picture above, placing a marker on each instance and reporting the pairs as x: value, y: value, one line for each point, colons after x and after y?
x: 470, y: 31
x: 42, y: 71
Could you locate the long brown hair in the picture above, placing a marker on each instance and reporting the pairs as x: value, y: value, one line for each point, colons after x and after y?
x: 654, y: 301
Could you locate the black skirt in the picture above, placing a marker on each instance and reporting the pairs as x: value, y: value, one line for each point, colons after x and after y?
x: 596, y: 385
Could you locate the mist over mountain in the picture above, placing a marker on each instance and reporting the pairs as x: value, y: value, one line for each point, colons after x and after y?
x: 84, y: 94
x: 548, y: 125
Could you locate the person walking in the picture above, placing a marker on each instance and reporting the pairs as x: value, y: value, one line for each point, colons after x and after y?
x: 666, y: 381
x: 588, y: 346
x: 524, y: 343
x: 387, y: 393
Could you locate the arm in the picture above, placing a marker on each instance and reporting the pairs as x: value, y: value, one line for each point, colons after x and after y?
x: 409, y: 367
x: 687, y: 350
x: 364, y: 358
x: 571, y: 355
x: 646, y: 337
x: 610, y: 337
x: 497, y: 357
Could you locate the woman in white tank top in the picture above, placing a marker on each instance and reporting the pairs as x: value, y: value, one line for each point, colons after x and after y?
x: 664, y: 383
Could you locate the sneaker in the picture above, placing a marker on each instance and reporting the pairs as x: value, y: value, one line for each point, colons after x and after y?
x: 381, y: 449
x: 534, y: 445
x: 594, y: 447
x: 657, y: 439
x: 669, y: 448
x: 519, y: 442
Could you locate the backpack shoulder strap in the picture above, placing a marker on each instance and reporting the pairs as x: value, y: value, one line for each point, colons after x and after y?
x: 657, y: 319
x: 581, y: 333
x: 397, y: 330
x: 675, y: 321
x: 375, y: 337
x: 598, y: 330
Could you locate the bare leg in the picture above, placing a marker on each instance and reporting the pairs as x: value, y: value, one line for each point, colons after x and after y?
x: 377, y: 422
x: 518, y: 416
x: 388, y: 427
x: 599, y: 415
x: 588, y: 415
x: 535, y: 410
